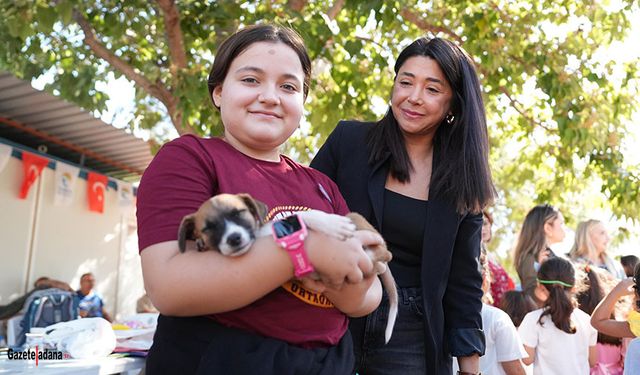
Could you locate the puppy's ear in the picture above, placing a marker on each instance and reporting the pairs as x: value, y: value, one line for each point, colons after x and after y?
x: 187, y: 227
x: 257, y: 208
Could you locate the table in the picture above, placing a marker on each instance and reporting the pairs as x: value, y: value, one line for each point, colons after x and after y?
x: 99, y: 366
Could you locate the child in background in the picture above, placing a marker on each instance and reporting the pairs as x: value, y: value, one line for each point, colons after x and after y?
x: 601, y: 317
x: 558, y: 337
x: 504, y: 349
x: 629, y: 263
x: 609, y: 348
x: 501, y: 282
x: 517, y: 304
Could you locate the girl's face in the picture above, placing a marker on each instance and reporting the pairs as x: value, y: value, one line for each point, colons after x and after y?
x: 421, y: 96
x: 261, y: 99
x: 600, y: 238
x: 554, y: 230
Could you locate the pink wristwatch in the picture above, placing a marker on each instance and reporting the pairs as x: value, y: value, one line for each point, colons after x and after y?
x: 290, y: 233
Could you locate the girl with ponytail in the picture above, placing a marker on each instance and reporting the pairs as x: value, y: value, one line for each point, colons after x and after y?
x: 558, y: 337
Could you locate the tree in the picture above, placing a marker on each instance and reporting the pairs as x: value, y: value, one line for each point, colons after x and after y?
x: 557, y: 111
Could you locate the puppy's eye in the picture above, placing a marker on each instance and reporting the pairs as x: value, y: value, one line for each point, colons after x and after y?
x: 237, y: 213
x: 210, y: 226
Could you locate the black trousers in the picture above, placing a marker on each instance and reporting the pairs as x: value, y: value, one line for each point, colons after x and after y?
x: 199, y: 345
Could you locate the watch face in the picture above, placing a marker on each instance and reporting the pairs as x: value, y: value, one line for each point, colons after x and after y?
x: 286, y: 226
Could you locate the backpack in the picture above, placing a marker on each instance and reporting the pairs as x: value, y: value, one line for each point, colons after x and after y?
x: 47, y: 307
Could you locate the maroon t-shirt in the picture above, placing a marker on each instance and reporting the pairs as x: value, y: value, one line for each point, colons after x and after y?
x: 189, y: 170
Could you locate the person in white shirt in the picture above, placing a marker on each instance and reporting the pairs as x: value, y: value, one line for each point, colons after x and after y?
x: 504, y: 350
x: 632, y: 360
x: 558, y: 337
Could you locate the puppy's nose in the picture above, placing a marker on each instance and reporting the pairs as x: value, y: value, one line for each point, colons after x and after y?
x: 234, y: 239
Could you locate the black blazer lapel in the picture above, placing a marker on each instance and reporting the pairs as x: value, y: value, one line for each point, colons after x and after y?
x: 377, y: 180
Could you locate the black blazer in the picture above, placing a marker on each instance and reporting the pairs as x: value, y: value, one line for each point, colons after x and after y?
x: 451, y: 279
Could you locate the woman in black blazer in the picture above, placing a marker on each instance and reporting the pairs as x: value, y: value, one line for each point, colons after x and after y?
x: 421, y: 176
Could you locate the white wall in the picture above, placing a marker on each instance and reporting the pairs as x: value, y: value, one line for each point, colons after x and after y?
x: 15, y: 231
x: 67, y: 241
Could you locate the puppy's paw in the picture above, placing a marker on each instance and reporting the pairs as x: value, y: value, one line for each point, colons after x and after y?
x: 344, y: 227
x: 337, y: 226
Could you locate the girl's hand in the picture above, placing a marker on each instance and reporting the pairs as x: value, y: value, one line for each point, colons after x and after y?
x: 338, y: 262
x: 624, y: 287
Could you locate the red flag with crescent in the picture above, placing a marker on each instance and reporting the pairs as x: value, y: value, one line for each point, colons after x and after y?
x: 32, y: 165
x: 96, y: 188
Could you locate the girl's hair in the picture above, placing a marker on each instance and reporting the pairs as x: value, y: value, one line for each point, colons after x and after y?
x: 461, y: 172
x: 591, y: 293
x: 517, y: 304
x: 243, y: 39
x: 558, y: 276
x: 629, y: 263
x: 532, y: 239
x: 583, y: 246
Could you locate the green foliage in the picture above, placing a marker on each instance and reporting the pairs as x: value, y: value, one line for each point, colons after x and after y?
x: 557, y: 110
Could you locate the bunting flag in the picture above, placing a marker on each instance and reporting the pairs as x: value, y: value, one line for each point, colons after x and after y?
x: 125, y: 195
x: 96, y: 188
x: 5, y: 155
x: 66, y: 176
x: 32, y: 166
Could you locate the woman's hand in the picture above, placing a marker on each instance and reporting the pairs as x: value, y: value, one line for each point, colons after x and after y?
x: 543, y: 256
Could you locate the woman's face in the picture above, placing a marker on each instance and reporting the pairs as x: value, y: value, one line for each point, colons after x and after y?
x: 554, y: 230
x: 421, y: 96
x: 600, y: 238
x: 486, y: 230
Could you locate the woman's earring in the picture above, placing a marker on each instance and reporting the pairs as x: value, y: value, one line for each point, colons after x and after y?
x: 449, y: 119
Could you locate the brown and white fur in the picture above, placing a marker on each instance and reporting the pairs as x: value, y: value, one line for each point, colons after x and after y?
x: 230, y: 224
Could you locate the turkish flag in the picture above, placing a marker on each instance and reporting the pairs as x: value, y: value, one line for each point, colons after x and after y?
x: 96, y: 187
x: 32, y: 165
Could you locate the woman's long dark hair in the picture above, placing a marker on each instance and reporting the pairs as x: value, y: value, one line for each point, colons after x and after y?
x: 532, y: 239
x: 560, y: 303
x: 461, y: 172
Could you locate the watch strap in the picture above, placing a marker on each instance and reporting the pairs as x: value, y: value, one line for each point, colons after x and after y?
x: 301, y: 264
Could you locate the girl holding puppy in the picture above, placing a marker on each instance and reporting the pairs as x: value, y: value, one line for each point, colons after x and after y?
x: 558, y: 337
x: 245, y: 315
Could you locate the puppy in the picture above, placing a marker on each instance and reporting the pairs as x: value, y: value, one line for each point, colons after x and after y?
x: 226, y: 222
x: 231, y: 223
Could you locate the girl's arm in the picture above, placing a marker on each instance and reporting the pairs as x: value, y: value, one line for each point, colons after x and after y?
x: 198, y: 283
x: 532, y: 354
x: 593, y: 355
x: 513, y: 367
x: 601, y: 316
x: 358, y: 299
